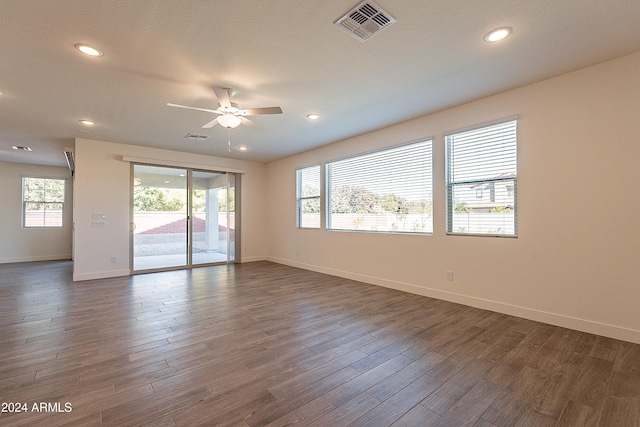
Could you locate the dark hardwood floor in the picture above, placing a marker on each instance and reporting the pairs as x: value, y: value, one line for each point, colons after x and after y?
x: 265, y: 344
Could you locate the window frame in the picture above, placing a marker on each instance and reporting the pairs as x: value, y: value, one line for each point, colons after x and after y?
x: 43, y: 202
x: 355, y: 157
x: 300, y: 198
x: 449, y: 185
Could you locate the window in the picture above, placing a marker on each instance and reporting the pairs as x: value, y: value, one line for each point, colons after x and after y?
x: 308, y: 197
x: 482, y: 159
x: 385, y: 191
x: 42, y: 202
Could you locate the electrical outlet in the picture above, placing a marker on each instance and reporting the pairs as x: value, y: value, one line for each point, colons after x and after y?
x: 114, y: 259
x: 450, y: 276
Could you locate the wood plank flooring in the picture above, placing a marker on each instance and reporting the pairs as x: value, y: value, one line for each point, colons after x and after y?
x: 261, y: 344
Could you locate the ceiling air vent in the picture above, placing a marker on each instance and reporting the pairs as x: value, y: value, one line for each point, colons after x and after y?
x: 365, y: 20
x: 196, y: 136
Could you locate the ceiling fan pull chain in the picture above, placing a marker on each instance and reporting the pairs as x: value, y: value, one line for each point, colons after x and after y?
x: 229, y: 138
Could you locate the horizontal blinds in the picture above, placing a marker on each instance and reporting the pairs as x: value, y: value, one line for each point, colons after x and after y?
x: 389, y: 190
x: 309, y: 182
x: 482, y: 176
x: 482, y: 154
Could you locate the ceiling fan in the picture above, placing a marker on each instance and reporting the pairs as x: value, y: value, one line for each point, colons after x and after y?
x: 230, y: 114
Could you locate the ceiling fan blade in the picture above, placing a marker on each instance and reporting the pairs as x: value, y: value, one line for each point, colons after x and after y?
x: 211, y: 124
x: 192, y: 108
x: 250, y: 123
x: 223, y: 96
x: 264, y: 110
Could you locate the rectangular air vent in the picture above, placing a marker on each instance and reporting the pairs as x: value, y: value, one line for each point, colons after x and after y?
x: 365, y: 20
x: 196, y: 136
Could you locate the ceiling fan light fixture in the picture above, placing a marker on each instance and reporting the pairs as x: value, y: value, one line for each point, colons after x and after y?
x: 229, y: 120
x: 230, y: 114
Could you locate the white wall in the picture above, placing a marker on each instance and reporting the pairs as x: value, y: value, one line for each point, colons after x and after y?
x: 103, y: 186
x: 18, y: 244
x: 576, y: 260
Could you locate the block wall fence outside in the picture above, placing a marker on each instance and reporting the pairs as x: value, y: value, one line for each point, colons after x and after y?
x: 170, y: 222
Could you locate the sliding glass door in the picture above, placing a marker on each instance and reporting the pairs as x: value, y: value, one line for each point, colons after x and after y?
x: 160, y: 217
x: 182, y: 217
x: 213, y: 225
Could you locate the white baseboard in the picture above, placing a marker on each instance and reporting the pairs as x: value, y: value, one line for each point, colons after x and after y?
x: 252, y: 259
x: 583, y: 325
x: 101, y: 275
x: 59, y: 257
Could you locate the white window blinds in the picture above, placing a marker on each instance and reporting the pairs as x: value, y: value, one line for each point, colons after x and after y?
x: 308, y: 197
x: 385, y: 191
x: 482, y: 175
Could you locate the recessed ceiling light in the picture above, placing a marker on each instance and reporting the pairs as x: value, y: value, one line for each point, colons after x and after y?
x: 242, y: 148
x: 497, y: 34
x: 88, y: 50
x: 19, y: 147
x: 87, y: 122
x: 313, y: 116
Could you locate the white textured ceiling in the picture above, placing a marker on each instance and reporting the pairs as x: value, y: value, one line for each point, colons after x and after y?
x: 285, y: 53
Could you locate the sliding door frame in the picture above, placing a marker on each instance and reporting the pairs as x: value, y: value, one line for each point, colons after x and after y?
x: 233, y: 257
